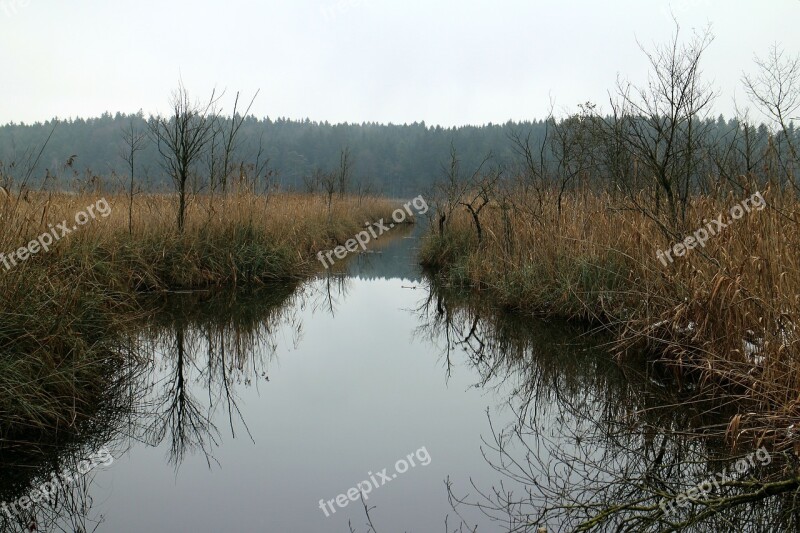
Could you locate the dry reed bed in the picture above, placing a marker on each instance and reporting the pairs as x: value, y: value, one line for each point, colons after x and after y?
x: 722, y: 316
x: 225, y: 239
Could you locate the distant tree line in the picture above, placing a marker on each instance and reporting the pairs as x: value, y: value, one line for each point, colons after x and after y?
x: 397, y: 160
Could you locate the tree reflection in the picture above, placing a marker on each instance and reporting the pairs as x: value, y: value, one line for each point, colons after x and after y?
x: 596, y: 446
x: 202, y: 348
x: 178, y: 413
x: 188, y: 356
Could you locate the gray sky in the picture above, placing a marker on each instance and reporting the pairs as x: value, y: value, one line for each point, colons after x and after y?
x: 445, y: 62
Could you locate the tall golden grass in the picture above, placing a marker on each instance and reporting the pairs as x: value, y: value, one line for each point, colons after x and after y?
x: 722, y: 316
x: 227, y: 239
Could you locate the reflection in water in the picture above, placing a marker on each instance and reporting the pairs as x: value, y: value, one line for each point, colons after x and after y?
x: 68, y: 507
x: 578, y: 442
x: 207, y: 346
x: 596, y: 447
x: 390, y: 258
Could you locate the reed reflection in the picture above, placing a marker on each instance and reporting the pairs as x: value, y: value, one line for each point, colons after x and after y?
x: 594, y: 446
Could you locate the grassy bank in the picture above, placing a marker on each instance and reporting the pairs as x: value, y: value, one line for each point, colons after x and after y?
x: 65, y: 310
x: 721, y: 315
x: 227, y: 240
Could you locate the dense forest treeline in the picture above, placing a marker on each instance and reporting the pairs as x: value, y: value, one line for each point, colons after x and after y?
x: 391, y: 159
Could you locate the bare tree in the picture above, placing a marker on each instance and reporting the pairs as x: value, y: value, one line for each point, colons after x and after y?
x: 661, y: 124
x: 571, y: 149
x: 532, y: 167
x: 775, y: 89
x: 135, y: 141
x: 328, y: 181
x: 344, y: 171
x: 534, y: 163
x: 450, y: 192
x: 363, y: 189
x: 311, y: 182
x: 230, y: 139
x: 262, y: 168
x: 482, y: 189
x: 181, y: 139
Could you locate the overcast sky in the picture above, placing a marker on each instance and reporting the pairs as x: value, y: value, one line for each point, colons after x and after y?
x: 447, y: 62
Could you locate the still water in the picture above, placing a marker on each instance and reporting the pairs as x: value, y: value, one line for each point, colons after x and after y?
x: 343, y: 379
x: 259, y: 412
x: 341, y: 382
